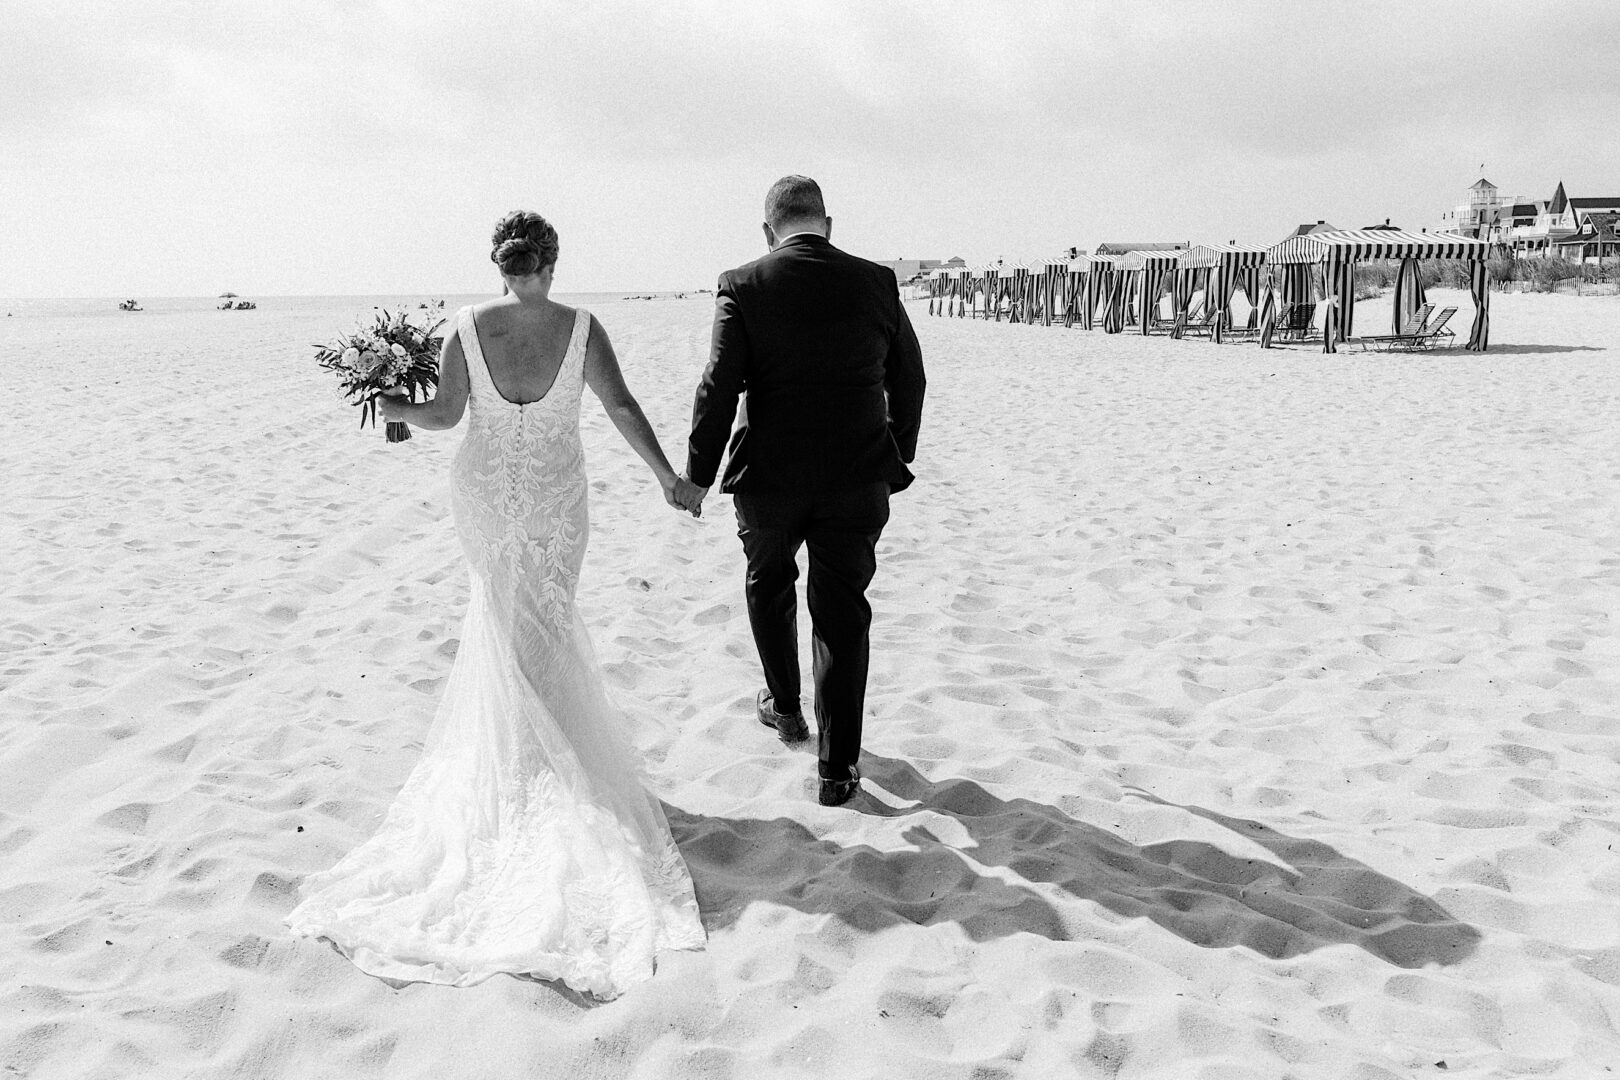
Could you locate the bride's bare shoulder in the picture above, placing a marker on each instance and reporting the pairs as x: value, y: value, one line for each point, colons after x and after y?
x: 494, y: 305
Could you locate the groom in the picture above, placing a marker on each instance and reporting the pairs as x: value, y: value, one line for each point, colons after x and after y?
x: 815, y: 346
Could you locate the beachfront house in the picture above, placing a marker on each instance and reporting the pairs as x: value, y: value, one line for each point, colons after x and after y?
x: 1598, y: 238
x: 1559, y: 226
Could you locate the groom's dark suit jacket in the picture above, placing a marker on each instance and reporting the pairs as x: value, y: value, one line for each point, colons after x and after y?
x: 817, y: 347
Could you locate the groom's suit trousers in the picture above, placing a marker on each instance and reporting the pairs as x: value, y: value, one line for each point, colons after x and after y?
x: 840, y: 527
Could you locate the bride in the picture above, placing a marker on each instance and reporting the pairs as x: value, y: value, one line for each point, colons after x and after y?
x: 523, y: 841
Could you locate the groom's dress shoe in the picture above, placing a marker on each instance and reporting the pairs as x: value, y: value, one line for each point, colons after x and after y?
x: 837, y: 792
x: 790, y: 728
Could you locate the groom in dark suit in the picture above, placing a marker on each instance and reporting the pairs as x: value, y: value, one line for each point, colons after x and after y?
x: 816, y: 349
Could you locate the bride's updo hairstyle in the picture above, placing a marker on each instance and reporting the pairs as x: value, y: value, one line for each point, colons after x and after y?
x: 525, y: 243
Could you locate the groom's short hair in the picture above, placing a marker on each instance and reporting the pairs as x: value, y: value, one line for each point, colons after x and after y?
x: 793, y: 198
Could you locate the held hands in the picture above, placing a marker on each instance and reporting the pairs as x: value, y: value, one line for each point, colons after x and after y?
x: 682, y: 494
x: 389, y: 404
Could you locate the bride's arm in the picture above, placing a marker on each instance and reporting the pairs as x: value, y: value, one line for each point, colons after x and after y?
x: 603, y: 376
x: 449, y: 400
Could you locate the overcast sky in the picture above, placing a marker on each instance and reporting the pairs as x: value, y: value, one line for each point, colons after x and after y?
x: 347, y: 146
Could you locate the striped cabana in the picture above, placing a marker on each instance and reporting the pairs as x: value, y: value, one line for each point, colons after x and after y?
x: 962, y: 287
x: 986, y: 279
x: 1052, y: 289
x: 948, y: 291
x: 1040, y: 292
x: 939, y: 286
x: 1116, y: 307
x: 1147, y: 274
x: 1021, y: 292
x: 1221, y: 268
x: 1336, y: 253
x: 1079, y: 283
x: 1098, y: 273
x: 1011, y: 279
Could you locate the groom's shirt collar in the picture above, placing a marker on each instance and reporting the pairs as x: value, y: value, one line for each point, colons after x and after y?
x: 805, y: 232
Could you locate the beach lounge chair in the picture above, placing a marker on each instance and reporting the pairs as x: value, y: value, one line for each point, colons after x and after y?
x: 1296, y: 323
x: 1430, y: 335
x: 1412, y: 327
x: 1203, y: 322
x: 1162, y: 320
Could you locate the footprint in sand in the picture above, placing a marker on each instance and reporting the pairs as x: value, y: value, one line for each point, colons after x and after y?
x: 274, y: 891
x: 67, y: 939
x: 130, y: 818
x: 713, y: 616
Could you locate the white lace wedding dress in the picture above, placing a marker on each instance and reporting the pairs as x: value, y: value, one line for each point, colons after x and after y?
x: 524, y: 840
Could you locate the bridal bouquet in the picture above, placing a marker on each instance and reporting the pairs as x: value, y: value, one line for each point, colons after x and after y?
x: 391, y: 352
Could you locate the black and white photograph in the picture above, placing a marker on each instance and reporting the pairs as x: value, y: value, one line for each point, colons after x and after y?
x: 701, y: 540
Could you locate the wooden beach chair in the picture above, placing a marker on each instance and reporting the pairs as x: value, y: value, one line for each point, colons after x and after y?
x: 1412, y: 327
x: 1430, y: 335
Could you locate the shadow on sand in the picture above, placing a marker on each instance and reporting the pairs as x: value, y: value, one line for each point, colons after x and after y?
x: 1192, y: 889
x: 1532, y: 350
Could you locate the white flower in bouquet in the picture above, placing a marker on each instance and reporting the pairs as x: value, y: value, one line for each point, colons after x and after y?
x: 397, y: 349
x: 351, y: 357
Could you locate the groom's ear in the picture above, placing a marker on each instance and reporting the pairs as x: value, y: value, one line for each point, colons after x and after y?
x: 828, y: 233
x: 770, y: 236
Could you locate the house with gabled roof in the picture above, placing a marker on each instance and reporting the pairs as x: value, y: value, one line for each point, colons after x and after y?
x: 1598, y: 238
x: 1526, y: 227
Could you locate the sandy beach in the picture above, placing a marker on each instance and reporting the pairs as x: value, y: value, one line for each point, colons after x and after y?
x: 1233, y: 714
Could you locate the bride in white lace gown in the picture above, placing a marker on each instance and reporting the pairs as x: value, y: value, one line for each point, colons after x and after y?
x: 524, y: 841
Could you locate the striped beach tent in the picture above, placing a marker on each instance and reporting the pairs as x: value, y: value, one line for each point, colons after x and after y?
x: 1056, y: 287
x: 1336, y: 254
x: 1118, y: 283
x: 984, y: 281
x: 939, y: 285
x: 1086, y: 279
x: 1052, y: 289
x: 949, y: 284
x: 1101, y: 270
x: 1007, y: 280
x: 1005, y: 276
x: 1016, y: 275
x: 1148, y: 273
x: 1225, y: 267
x: 1059, y: 281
